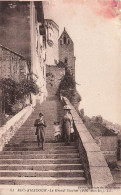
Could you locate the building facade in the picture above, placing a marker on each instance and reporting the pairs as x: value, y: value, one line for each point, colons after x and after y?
x: 38, y: 51
x: 22, y: 30
x: 52, y: 35
x: 14, y: 66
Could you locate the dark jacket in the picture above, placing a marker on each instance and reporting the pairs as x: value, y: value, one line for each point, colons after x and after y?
x: 39, y: 123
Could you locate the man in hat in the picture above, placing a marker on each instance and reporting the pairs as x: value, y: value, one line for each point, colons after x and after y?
x: 40, y: 126
x: 66, y: 124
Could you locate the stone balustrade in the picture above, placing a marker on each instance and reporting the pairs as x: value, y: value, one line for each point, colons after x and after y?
x: 9, y: 129
x: 97, y: 171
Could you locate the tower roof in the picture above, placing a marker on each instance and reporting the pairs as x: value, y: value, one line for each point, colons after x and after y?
x: 65, y: 33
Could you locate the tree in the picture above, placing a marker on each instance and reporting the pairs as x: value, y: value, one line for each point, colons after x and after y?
x: 67, y: 88
x: 67, y: 82
x: 26, y: 87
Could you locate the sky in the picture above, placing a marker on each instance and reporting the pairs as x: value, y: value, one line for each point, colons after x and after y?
x: 95, y: 29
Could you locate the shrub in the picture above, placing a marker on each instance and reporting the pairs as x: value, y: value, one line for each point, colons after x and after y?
x: 67, y: 88
x: 67, y: 82
x: 13, y: 91
x: 25, y: 87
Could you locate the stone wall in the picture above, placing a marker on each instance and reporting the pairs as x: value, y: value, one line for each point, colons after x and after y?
x: 54, y: 75
x: 10, y: 128
x: 12, y: 65
x: 52, y: 35
x: 66, y: 52
x: 108, y: 145
x: 38, y: 53
x: 105, y: 137
x: 97, y: 171
x: 15, y: 26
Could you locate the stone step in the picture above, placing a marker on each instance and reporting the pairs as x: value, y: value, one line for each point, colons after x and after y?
x: 43, y: 167
x: 45, y: 118
x: 47, y: 145
x: 32, y: 128
x: 60, y: 149
x: 48, y: 140
x: 41, y: 161
x: 31, y: 123
x: 50, y: 173
x: 38, y: 151
x: 38, y: 156
x: 32, y: 146
x: 23, y: 163
x: 32, y: 132
x: 31, y: 135
x: 43, y: 181
x: 29, y: 139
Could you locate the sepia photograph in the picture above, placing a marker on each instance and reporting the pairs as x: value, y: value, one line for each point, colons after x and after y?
x: 60, y: 94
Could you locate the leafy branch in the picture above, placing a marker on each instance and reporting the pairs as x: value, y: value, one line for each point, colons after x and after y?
x: 13, y: 91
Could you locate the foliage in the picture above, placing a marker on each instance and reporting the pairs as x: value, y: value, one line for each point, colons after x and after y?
x: 8, y: 87
x: 13, y: 91
x: 7, y: 84
x: 67, y: 82
x: 61, y: 64
x: 67, y: 88
x: 67, y: 93
x: 25, y: 87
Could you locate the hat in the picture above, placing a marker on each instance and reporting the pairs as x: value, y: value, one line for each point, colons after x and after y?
x: 66, y: 107
x: 40, y: 114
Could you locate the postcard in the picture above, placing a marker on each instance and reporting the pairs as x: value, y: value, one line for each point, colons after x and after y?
x: 60, y: 91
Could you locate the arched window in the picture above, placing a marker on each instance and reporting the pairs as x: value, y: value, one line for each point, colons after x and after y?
x: 66, y: 60
x: 61, y: 42
x: 64, y: 40
x: 68, y: 41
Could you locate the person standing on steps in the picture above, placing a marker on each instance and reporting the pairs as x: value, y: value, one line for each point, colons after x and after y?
x: 57, y: 131
x: 66, y: 125
x: 40, y: 129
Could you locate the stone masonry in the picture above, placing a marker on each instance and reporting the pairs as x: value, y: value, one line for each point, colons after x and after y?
x: 12, y: 65
x: 54, y: 75
x: 15, y: 26
x: 66, y: 52
x: 52, y: 35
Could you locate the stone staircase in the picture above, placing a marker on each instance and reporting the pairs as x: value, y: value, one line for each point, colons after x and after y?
x: 23, y: 163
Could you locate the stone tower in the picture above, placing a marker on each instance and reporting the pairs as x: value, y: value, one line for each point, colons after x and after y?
x: 66, y: 52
